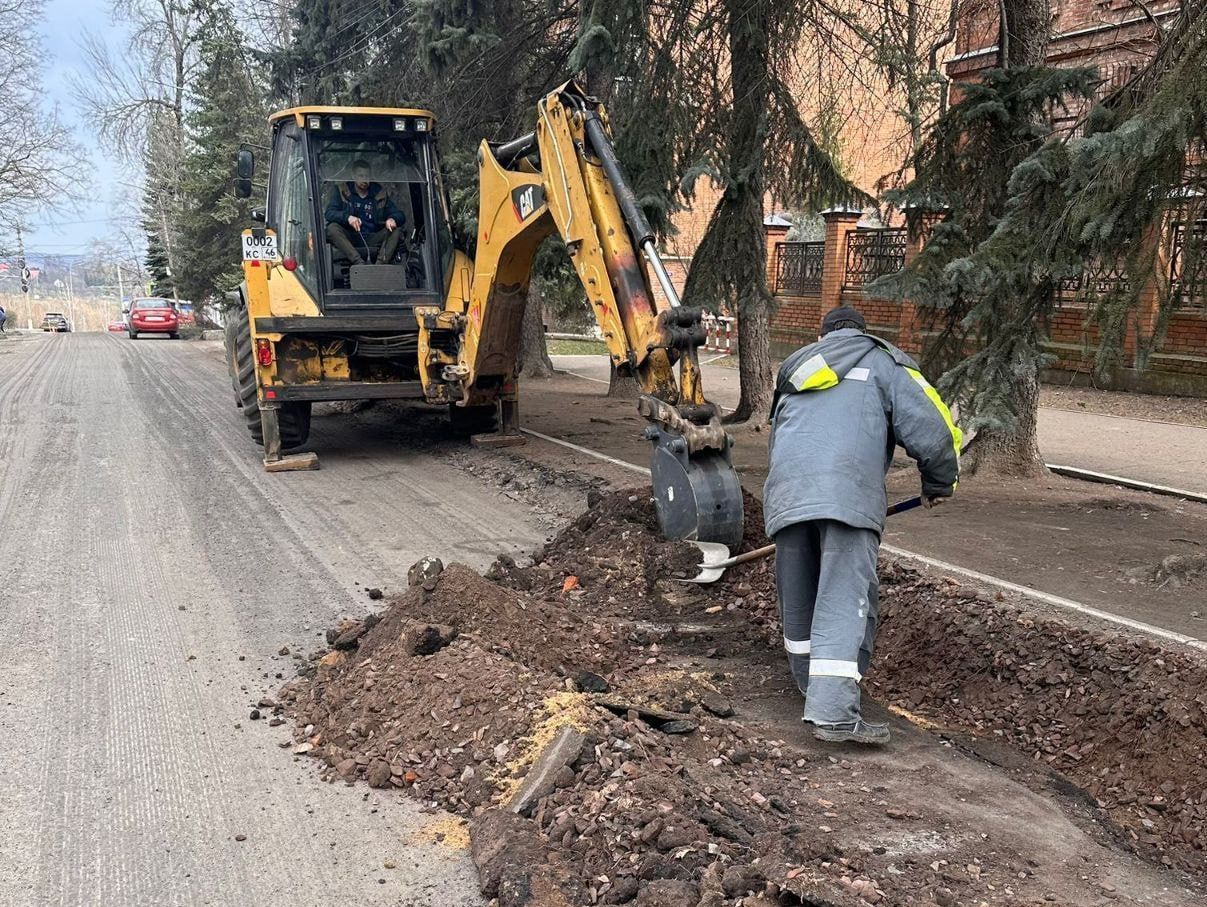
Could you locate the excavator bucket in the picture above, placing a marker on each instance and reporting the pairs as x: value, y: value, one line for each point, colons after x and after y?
x: 697, y: 496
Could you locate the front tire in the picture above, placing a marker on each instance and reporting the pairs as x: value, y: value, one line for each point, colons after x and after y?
x: 293, y: 418
x: 134, y: 335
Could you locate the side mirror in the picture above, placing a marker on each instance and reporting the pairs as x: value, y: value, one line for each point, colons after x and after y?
x: 258, y: 215
x: 245, y: 168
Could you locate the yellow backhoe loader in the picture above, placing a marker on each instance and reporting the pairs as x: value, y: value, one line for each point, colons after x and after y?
x: 335, y: 306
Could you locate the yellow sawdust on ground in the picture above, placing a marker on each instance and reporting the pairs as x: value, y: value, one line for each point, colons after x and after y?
x: 924, y: 723
x: 564, y: 709
x: 667, y: 679
x: 445, y: 831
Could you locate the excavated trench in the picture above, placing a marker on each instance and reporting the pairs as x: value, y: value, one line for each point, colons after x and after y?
x: 612, y: 737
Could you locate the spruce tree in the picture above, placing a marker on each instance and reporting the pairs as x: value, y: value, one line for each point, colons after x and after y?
x: 225, y: 110
x: 1025, y: 210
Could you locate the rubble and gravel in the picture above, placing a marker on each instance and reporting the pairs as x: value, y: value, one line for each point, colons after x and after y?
x: 578, y: 712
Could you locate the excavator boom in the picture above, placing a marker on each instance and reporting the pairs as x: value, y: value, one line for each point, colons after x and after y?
x: 565, y: 178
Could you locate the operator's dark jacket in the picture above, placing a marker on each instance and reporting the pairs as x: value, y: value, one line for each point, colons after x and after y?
x: 841, y: 406
x: 373, y: 209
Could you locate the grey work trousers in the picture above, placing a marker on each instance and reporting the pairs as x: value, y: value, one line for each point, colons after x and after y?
x: 825, y: 573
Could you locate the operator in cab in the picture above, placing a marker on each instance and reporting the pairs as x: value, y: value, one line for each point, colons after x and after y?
x: 841, y: 406
x: 363, y: 224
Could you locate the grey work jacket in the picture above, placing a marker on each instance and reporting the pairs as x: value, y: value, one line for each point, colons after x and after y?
x: 841, y: 406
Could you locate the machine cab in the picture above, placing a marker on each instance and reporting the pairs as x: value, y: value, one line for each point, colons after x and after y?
x: 360, y: 213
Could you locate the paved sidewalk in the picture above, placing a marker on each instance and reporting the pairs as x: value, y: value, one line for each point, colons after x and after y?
x: 1158, y: 452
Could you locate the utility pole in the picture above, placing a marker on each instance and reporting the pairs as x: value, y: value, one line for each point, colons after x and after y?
x: 23, y: 272
x: 167, y: 245
x: 70, y: 294
x: 121, y: 293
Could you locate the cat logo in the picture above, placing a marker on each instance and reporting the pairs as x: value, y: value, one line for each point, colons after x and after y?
x: 526, y: 200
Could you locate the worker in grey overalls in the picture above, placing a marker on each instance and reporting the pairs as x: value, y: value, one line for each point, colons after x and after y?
x: 841, y: 406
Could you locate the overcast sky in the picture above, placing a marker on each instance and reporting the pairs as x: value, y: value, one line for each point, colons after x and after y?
x: 74, y: 228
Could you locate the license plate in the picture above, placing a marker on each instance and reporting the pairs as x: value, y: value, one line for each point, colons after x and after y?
x: 259, y: 248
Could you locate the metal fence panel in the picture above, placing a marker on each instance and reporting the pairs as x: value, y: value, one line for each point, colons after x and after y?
x: 872, y: 254
x: 798, y: 267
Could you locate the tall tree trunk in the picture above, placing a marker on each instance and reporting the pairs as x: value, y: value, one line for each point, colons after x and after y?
x: 1023, y: 32
x: 534, y: 353
x: 1022, y: 41
x: 1012, y: 453
x: 755, y: 374
x: 749, y: 28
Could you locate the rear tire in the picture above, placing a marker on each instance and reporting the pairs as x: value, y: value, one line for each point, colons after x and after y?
x: 173, y: 336
x: 293, y: 418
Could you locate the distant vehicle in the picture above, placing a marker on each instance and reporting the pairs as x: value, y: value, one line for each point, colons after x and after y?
x: 56, y: 322
x: 186, y: 313
x: 117, y: 327
x: 153, y: 316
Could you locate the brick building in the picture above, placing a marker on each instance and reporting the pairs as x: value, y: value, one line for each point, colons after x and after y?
x: 1117, y: 36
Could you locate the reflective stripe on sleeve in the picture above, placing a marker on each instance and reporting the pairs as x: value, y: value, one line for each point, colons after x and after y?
x: 957, y: 436
x: 829, y: 667
x: 796, y: 646
x: 813, y: 375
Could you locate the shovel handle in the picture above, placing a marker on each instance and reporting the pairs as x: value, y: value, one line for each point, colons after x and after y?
x: 902, y: 506
x: 754, y: 555
x: 757, y: 553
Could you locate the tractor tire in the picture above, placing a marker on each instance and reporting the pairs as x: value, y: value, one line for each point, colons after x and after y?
x: 473, y: 420
x: 228, y: 343
x: 294, y: 418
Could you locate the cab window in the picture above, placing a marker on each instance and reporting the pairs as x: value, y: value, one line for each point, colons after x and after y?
x: 291, y: 207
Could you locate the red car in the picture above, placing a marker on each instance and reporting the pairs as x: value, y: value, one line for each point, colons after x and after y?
x: 153, y: 316
x: 117, y: 327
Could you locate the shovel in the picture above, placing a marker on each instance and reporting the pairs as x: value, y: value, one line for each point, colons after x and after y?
x: 716, y: 555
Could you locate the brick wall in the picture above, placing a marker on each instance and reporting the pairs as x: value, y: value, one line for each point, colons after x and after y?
x: 1178, y: 365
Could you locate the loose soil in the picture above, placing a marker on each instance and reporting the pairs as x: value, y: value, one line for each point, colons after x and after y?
x: 1053, y: 534
x: 612, y: 737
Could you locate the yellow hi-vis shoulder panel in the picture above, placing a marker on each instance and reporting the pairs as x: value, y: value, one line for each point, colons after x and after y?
x: 813, y: 375
x: 957, y: 436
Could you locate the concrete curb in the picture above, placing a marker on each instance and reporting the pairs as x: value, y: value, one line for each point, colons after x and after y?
x: 1087, y: 475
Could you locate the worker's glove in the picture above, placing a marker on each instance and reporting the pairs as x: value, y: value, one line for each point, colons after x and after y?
x: 354, y: 222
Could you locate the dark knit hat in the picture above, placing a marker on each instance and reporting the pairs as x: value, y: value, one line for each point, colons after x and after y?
x: 842, y: 316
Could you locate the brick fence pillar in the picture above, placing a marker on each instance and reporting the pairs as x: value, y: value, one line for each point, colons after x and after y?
x: 773, y: 234
x: 1143, y: 320
x: 840, y: 222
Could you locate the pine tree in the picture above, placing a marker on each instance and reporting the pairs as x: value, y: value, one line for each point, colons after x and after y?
x: 1025, y: 210
x: 225, y: 111
x: 156, y: 261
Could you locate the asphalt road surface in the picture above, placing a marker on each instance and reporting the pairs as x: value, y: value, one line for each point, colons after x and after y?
x: 150, y: 573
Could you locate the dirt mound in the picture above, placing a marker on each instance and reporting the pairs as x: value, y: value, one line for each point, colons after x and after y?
x: 579, y: 711
x: 612, y: 552
x: 1125, y: 719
